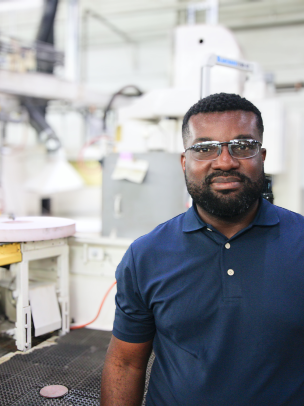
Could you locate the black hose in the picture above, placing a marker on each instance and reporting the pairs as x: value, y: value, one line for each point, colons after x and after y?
x: 36, y: 108
x: 36, y: 112
x: 46, y: 28
x: 45, y: 35
x: 120, y: 92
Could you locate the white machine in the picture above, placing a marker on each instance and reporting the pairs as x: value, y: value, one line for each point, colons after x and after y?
x: 208, y: 60
x: 37, y: 294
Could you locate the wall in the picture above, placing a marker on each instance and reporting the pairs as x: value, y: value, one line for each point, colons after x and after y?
x: 277, y: 49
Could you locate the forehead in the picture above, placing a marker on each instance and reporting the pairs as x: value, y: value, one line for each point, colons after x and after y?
x: 218, y: 125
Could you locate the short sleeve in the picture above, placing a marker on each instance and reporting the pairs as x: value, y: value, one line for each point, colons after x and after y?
x: 134, y: 321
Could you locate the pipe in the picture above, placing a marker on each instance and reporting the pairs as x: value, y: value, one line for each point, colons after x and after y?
x: 36, y: 108
x: 45, y: 132
x: 72, y: 41
x: 45, y: 34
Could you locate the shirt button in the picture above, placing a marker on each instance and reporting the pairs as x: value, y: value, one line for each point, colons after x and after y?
x: 209, y: 229
x: 230, y: 272
x: 227, y: 245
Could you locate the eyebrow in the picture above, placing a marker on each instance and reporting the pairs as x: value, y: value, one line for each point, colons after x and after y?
x: 201, y: 139
x: 238, y: 137
x: 244, y: 137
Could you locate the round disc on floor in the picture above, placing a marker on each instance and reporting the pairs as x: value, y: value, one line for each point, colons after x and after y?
x: 54, y: 391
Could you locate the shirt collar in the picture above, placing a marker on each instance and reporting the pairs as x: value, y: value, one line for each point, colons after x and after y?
x: 192, y: 220
x: 266, y: 216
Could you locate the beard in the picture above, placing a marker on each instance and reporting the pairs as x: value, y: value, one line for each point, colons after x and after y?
x: 227, y: 203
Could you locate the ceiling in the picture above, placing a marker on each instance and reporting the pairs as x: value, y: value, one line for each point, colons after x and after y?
x: 271, y: 31
x: 142, y: 19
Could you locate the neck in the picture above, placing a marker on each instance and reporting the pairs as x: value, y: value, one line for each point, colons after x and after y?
x: 229, y: 227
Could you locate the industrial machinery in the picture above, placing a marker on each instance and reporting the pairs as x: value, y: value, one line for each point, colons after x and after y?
x: 26, y: 294
x: 34, y: 251
x: 143, y: 183
x: 151, y: 131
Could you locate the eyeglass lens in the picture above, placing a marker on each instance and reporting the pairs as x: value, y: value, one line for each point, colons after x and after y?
x: 240, y: 149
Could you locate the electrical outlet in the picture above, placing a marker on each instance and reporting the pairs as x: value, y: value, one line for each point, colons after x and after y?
x: 95, y: 254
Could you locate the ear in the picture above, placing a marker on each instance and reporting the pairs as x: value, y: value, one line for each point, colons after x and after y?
x: 183, y: 161
x: 263, y: 151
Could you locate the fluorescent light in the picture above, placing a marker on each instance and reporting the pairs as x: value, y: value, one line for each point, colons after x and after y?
x: 19, y: 5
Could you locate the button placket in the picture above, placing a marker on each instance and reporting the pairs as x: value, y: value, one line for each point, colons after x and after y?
x: 231, y: 277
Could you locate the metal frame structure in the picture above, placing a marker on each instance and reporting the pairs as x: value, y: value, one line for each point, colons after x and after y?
x: 211, y: 60
x: 33, y: 251
x: 210, y: 6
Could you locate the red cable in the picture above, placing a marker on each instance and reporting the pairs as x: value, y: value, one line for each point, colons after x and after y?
x: 100, y: 307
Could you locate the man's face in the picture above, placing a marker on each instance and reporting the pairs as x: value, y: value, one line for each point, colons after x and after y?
x: 225, y: 187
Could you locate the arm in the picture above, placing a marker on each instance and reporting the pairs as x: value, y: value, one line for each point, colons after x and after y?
x: 123, y: 376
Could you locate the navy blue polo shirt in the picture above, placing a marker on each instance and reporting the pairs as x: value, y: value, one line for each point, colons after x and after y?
x: 226, y: 315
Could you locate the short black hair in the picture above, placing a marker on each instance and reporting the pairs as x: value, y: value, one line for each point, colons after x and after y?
x: 219, y: 102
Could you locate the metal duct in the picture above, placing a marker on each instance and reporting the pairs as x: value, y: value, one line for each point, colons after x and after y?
x: 36, y: 108
x: 45, y: 34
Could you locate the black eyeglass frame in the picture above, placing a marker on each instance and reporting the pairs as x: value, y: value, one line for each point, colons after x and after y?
x: 229, y: 144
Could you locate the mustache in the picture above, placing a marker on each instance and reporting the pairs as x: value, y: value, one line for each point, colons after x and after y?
x: 237, y: 174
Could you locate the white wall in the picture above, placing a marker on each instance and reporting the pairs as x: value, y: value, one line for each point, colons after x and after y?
x: 277, y: 49
x: 288, y: 186
x: 92, y: 271
x: 147, y: 65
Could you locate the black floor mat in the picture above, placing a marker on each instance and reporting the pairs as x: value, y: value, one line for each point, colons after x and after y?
x: 76, y: 362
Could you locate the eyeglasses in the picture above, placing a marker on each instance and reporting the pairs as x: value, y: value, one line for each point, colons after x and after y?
x: 210, y: 150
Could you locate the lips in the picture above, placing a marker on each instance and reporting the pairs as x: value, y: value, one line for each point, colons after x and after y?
x: 222, y: 181
x: 225, y: 179
x: 224, y: 184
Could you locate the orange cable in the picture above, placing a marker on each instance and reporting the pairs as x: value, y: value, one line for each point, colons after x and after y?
x: 100, y: 307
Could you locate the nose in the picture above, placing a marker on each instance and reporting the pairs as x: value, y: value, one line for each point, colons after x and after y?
x: 225, y: 161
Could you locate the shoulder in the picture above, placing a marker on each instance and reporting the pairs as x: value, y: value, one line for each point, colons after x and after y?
x: 167, y: 231
x: 288, y: 215
x: 146, y: 252
x: 290, y: 221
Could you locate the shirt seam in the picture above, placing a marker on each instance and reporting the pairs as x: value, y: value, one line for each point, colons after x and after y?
x: 135, y: 276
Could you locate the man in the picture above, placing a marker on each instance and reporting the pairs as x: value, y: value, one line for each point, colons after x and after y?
x: 218, y: 290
